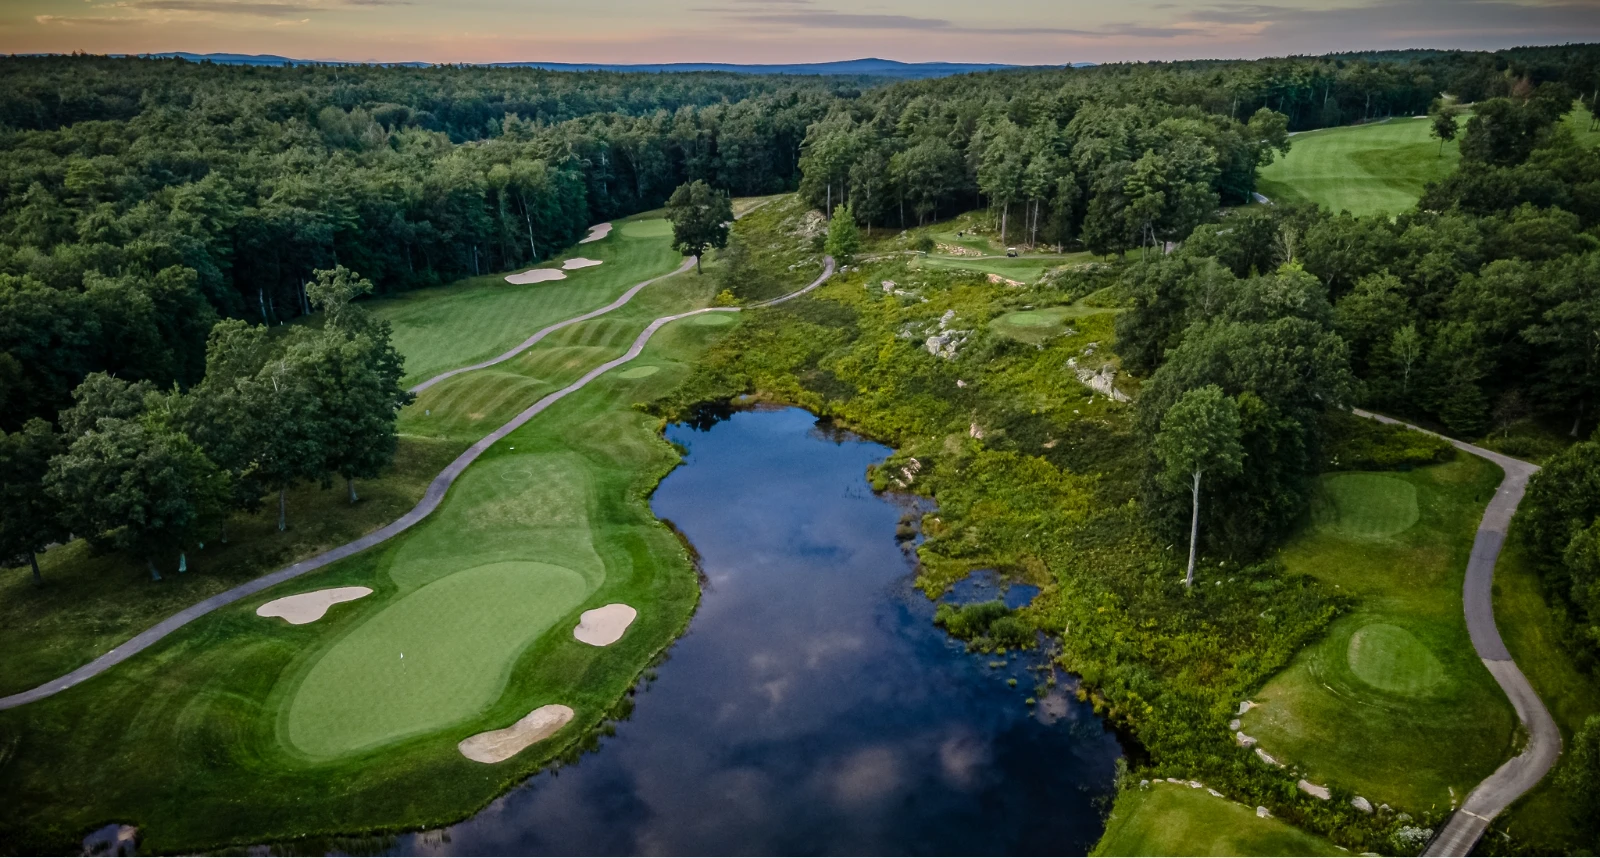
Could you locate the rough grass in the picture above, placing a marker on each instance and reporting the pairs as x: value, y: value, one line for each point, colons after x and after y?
x: 475, y: 319
x: 1392, y: 703
x: 210, y: 708
x: 1167, y: 819
x: 1541, y: 822
x: 1362, y: 169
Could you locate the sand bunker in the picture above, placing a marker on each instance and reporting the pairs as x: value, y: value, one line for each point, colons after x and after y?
x: 303, y: 608
x: 604, y: 626
x: 577, y: 262
x: 535, y: 275
x: 500, y: 745
x: 597, y: 232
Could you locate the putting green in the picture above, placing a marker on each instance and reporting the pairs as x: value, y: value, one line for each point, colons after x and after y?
x: 655, y: 227
x: 713, y: 320
x: 1389, y: 658
x: 1030, y: 319
x: 639, y: 372
x: 435, y: 657
x: 1364, y: 506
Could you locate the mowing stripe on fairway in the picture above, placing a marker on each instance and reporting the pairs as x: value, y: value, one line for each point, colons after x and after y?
x: 430, y: 501
x: 534, y: 340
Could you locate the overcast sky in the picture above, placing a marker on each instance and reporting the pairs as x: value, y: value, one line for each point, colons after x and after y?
x: 638, y: 31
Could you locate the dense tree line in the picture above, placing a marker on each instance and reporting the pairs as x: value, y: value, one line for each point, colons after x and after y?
x: 1475, y: 311
x: 152, y: 473
x: 143, y: 202
x: 1129, y: 155
x: 180, y: 194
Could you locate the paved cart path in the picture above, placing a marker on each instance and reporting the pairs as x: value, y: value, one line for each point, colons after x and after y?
x: 430, y: 499
x: 1520, y: 773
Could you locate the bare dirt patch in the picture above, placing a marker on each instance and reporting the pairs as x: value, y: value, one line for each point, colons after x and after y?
x: 303, y: 608
x: 604, y: 626
x: 497, y: 746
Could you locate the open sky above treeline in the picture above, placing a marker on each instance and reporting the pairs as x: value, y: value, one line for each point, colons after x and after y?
x: 784, y: 31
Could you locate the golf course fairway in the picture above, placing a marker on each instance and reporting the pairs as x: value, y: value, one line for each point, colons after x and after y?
x: 281, y: 731
x: 1362, y: 169
x: 462, y: 323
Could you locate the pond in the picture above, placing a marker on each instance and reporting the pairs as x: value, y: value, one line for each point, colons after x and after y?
x: 812, y: 707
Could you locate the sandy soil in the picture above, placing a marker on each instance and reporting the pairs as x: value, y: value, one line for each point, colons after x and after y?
x: 303, y: 608
x: 535, y: 275
x: 596, y: 232
x: 577, y: 262
x: 499, y: 745
x: 604, y: 626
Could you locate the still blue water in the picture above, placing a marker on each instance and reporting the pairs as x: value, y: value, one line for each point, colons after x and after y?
x: 812, y: 707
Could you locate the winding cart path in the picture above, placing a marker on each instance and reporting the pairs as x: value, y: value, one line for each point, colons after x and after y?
x: 1522, y: 772
x: 430, y: 499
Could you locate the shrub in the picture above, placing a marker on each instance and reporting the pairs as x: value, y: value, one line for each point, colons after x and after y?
x: 1360, y: 444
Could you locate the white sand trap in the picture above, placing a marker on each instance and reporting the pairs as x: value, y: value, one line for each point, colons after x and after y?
x: 500, y: 745
x: 597, y: 232
x: 577, y: 262
x: 303, y: 608
x: 604, y: 626
x: 535, y: 275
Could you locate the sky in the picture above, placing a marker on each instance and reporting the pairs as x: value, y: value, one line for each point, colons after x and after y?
x: 784, y: 31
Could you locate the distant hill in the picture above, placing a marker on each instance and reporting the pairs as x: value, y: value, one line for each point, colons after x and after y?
x: 869, y: 67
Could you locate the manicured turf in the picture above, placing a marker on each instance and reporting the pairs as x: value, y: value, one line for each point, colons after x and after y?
x: 277, y: 731
x: 1581, y: 123
x: 433, y: 658
x: 1362, y: 169
x: 476, y: 319
x: 91, y: 603
x: 1391, y: 659
x: 1541, y: 822
x: 1392, y: 702
x: 1364, y: 506
x: 1036, y: 326
x: 1025, y: 269
x: 1167, y: 819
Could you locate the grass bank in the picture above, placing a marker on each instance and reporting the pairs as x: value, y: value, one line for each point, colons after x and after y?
x: 1170, y: 819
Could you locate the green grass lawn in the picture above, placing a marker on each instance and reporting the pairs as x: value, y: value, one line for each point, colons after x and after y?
x: 1037, y: 326
x: 475, y: 319
x: 277, y: 731
x: 1168, y: 819
x: 1027, y: 268
x: 1363, y: 169
x: 1541, y: 822
x: 1581, y: 123
x: 1392, y: 702
x: 90, y: 604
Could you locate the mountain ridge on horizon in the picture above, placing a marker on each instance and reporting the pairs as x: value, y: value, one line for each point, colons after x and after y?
x: 865, y: 66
